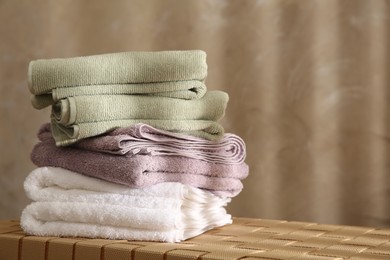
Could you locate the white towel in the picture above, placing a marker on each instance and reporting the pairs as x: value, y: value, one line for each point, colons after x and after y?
x: 71, y: 204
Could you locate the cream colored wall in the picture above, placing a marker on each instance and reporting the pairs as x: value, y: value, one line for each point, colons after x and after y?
x: 308, y: 83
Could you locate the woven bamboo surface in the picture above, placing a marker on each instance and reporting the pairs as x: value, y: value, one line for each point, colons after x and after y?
x: 246, y: 238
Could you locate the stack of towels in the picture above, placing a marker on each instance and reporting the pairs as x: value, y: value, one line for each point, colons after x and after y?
x: 133, y: 149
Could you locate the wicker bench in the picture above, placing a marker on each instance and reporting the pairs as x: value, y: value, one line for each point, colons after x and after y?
x: 245, y: 239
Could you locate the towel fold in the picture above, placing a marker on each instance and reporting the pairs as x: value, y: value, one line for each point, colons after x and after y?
x: 70, y: 204
x: 116, y: 68
x: 67, y: 135
x: 140, y: 171
x: 84, y: 109
x: 186, y: 89
x: 146, y: 140
x: 79, y: 117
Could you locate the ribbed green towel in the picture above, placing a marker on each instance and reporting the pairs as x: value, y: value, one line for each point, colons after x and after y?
x: 84, y: 109
x: 186, y: 89
x: 80, y: 117
x: 116, y: 68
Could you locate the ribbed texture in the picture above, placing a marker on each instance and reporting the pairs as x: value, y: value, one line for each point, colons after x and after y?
x: 87, y: 116
x: 174, y: 89
x: 84, y: 109
x: 116, y: 68
x: 94, y: 94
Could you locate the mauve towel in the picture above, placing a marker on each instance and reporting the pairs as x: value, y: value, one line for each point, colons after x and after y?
x: 143, y: 170
x: 144, y: 139
x: 116, y: 68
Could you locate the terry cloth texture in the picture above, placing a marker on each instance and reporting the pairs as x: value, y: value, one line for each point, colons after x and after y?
x: 70, y: 204
x: 186, y: 89
x: 80, y: 117
x: 116, y: 68
x: 140, y: 171
x: 143, y: 139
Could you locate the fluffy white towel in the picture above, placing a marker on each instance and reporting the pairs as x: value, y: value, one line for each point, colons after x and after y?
x: 70, y: 204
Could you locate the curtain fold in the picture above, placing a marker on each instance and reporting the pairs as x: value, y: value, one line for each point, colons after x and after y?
x: 308, y: 81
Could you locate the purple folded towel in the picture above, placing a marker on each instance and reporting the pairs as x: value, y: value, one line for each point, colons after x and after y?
x: 144, y: 139
x: 140, y: 171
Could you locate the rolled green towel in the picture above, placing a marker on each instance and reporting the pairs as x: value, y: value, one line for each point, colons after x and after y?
x: 116, y: 68
x: 186, y: 89
x: 79, y: 117
x: 67, y: 135
x: 84, y: 109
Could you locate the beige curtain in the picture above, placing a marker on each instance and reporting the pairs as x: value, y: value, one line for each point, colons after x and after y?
x: 308, y: 82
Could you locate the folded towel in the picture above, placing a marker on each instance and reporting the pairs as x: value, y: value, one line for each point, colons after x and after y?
x: 116, y: 68
x: 75, y: 118
x: 186, y: 89
x: 70, y: 204
x: 84, y: 109
x: 67, y: 135
x: 140, y: 171
x: 146, y: 140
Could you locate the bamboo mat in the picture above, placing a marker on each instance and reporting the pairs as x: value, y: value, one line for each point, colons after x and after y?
x: 250, y: 239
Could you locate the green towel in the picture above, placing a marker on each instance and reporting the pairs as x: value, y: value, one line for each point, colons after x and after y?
x: 67, y: 135
x: 84, y: 109
x: 187, y: 89
x: 80, y: 117
x: 116, y: 68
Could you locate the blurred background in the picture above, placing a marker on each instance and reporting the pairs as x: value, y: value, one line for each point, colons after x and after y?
x: 308, y: 80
